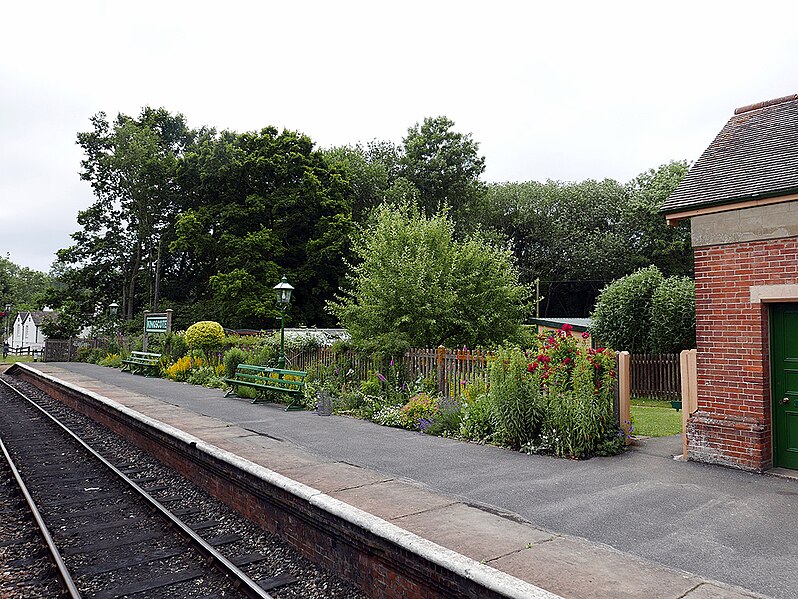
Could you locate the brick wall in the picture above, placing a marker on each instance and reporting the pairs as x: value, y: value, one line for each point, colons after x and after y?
x: 733, y: 422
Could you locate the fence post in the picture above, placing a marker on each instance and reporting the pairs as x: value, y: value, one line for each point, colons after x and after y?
x: 624, y: 393
x: 687, y: 365
x: 440, y: 360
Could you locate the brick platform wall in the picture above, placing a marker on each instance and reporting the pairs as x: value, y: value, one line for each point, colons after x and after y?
x: 733, y: 422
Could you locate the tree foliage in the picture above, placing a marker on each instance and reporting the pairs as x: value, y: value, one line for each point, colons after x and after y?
x: 414, y: 284
x: 118, y: 253
x: 206, y: 222
x: 577, y: 237
x: 22, y: 287
x: 442, y: 164
x: 651, y: 239
x: 261, y: 204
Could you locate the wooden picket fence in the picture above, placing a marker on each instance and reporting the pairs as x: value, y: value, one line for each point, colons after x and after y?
x: 656, y: 376
x: 451, y: 369
x: 66, y: 350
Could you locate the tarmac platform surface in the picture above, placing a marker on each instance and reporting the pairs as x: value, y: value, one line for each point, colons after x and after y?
x: 636, y: 525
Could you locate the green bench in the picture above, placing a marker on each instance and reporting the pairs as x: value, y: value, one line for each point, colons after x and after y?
x: 266, y: 379
x: 142, y: 361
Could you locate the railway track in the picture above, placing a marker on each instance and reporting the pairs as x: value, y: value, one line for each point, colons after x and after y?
x: 118, y: 529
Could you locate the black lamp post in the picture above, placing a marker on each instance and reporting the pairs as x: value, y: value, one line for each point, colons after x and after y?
x: 113, y: 309
x: 283, y: 290
x: 8, y: 321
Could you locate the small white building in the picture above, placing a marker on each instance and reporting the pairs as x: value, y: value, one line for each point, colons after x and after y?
x: 26, y: 332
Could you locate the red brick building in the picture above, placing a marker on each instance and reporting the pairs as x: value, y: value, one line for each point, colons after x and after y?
x: 741, y: 197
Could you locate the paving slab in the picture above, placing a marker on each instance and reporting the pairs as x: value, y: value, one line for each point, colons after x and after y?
x: 335, y: 476
x: 392, y: 499
x: 577, y: 569
x: 473, y: 532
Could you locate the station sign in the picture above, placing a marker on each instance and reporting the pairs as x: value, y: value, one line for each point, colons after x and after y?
x: 156, y: 323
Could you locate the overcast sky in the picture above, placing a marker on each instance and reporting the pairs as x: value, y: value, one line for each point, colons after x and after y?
x: 550, y: 90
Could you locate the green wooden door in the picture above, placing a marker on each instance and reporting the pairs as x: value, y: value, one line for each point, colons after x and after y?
x: 784, y: 367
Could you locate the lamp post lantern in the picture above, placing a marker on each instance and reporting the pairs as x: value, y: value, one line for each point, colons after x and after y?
x: 113, y: 309
x: 283, y: 290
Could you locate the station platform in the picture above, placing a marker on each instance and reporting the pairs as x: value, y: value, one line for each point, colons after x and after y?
x: 636, y: 525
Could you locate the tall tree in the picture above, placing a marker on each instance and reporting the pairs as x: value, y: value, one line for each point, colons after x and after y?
x: 650, y: 237
x: 131, y: 166
x: 444, y: 165
x: 567, y: 235
x: 263, y: 204
x: 372, y: 171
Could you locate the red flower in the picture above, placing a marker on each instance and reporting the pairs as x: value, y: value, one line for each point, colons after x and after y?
x: 585, y: 335
x: 532, y: 367
x: 566, y: 361
x: 567, y: 327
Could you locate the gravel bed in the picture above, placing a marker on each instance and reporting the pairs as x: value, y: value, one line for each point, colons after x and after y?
x: 312, y: 581
x: 24, y: 563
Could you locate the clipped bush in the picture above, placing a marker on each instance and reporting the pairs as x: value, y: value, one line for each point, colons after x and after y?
x: 673, y: 315
x: 206, y: 336
x: 515, y: 393
x: 644, y: 312
x: 622, y: 316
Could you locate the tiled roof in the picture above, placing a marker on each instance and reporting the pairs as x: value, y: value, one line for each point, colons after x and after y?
x: 754, y: 156
x: 41, y: 316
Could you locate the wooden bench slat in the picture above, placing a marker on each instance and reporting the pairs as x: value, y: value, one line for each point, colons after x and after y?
x: 141, y: 361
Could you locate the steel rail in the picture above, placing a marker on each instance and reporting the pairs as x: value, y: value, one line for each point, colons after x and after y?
x: 63, y: 572
x: 240, y: 580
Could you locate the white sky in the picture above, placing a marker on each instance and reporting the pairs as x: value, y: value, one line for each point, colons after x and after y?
x: 550, y: 90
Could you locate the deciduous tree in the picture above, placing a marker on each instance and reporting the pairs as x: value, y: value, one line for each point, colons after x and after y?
x: 414, y: 284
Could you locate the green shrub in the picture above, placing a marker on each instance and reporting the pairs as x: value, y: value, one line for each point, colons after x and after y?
x: 672, y: 326
x: 206, y: 336
x: 175, y: 345
x: 477, y: 421
x: 448, y: 420
x: 89, y: 355
x: 371, y: 386
x: 515, y: 394
x: 232, y: 358
x: 622, y: 316
x: 419, y: 409
x: 206, y: 376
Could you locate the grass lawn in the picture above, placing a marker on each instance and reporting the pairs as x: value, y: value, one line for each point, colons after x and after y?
x: 9, y: 359
x: 654, y: 418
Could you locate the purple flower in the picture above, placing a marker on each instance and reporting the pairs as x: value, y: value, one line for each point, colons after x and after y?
x: 382, y: 378
x: 391, y: 361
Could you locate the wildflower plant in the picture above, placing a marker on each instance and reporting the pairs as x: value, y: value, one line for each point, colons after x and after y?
x: 420, y: 407
x: 516, y: 395
x: 577, y: 382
